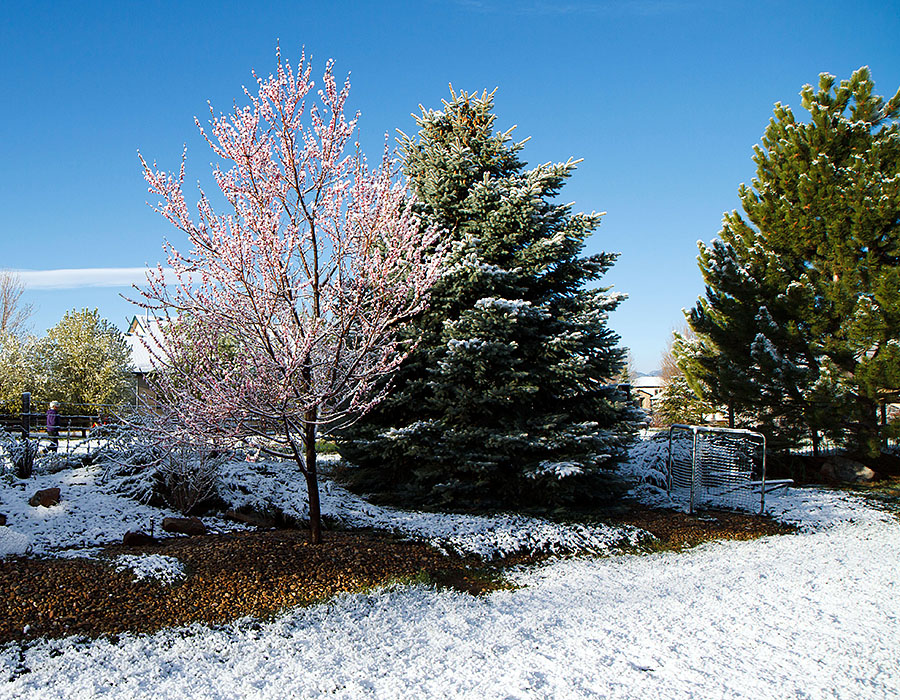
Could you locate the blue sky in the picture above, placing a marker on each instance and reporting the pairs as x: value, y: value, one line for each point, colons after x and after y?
x: 663, y: 100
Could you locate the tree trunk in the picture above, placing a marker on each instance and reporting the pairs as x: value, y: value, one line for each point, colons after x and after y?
x: 312, y: 480
x: 868, y: 434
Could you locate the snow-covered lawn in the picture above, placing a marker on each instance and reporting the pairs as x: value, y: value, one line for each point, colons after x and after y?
x: 811, y: 615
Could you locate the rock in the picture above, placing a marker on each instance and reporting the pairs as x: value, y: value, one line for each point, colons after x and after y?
x: 2, y: 520
x: 45, y: 497
x: 843, y: 469
x: 184, y: 526
x: 136, y: 538
x: 250, y: 519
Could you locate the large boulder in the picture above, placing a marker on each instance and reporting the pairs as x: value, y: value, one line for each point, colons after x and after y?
x: 184, y: 526
x: 839, y: 469
x: 45, y: 497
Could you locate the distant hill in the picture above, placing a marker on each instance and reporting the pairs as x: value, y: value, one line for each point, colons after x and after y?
x: 654, y: 373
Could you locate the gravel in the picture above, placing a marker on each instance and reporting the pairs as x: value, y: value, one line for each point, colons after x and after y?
x: 224, y: 577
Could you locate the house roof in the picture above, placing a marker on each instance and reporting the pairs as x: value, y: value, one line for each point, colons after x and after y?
x: 648, y: 383
x: 140, y: 335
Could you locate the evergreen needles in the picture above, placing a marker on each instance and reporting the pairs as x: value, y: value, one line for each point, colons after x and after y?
x: 508, y: 398
x: 800, y: 326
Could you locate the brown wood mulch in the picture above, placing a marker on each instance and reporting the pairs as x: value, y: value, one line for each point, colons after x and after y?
x: 260, y: 573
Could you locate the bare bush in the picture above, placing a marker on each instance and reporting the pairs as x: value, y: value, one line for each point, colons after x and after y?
x: 17, y: 456
x: 150, y: 468
x: 190, y: 473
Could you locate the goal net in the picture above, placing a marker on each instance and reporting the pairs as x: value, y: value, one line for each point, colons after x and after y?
x: 717, y: 467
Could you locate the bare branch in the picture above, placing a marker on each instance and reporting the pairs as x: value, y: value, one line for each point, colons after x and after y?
x: 14, y: 313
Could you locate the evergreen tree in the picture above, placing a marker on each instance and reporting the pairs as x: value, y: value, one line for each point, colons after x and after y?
x: 679, y: 404
x: 801, y: 320
x: 509, y: 398
x: 682, y: 400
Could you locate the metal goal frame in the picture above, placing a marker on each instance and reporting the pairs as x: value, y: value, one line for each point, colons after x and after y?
x: 721, y: 471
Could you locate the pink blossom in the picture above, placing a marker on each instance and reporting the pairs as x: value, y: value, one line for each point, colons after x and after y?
x: 285, y: 313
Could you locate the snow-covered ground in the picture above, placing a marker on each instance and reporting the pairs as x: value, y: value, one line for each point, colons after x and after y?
x: 811, y: 615
x: 90, y: 513
x: 94, y: 512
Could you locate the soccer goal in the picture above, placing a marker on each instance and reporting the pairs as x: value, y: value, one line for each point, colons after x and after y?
x: 718, y: 467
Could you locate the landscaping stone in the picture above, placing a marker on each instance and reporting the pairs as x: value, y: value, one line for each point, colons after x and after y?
x: 136, y: 538
x: 45, y: 497
x: 250, y: 519
x: 184, y: 526
x: 842, y: 469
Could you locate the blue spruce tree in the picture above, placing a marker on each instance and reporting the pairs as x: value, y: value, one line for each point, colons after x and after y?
x: 509, y: 398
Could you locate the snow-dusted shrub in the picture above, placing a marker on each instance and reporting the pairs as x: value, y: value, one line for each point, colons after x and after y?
x: 145, y: 466
x: 16, y: 456
x: 648, y: 458
x: 189, y: 474
x: 53, y: 462
x: 269, y: 488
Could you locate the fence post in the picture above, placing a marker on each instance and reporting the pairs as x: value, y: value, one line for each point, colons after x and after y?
x: 26, y: 414
x: 24, y: 467
x: 669, y: 463
x: 762, y: 485
x: 693, y: 468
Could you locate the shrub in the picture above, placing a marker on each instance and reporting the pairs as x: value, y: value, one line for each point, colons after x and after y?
x: 145, y: 467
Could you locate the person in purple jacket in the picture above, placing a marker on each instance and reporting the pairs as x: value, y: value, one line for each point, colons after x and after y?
x: 53, y: 425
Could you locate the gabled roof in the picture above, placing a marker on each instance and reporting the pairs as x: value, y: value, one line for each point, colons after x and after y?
x: 141, y: 330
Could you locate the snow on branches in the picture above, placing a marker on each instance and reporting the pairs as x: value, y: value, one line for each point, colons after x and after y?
x: 284, y: 315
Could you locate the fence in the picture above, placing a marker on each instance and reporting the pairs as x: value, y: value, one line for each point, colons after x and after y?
x: 828, y: 447
x: 77, y: 423
x: 825, y: 448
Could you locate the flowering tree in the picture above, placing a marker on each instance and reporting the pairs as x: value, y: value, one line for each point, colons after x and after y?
x: 284, y: 313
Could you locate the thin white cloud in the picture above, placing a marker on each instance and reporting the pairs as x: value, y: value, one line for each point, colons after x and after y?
x: 84, y: 277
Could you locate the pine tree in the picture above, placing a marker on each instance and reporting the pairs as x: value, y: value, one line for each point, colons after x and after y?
x: 679, y: 404
x: 509, y: 398
x: 801, y: 320
x: 683, y: 398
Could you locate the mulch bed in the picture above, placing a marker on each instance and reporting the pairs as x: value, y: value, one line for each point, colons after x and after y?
x: 679, y: 530
x: 263, y: 572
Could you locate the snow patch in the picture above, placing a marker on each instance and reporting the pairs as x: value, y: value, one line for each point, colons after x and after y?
x: 151, y: 566
x: 559, y: 469
x: 487, y: 536
x: 90, y: 513
x: 13, y: 543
